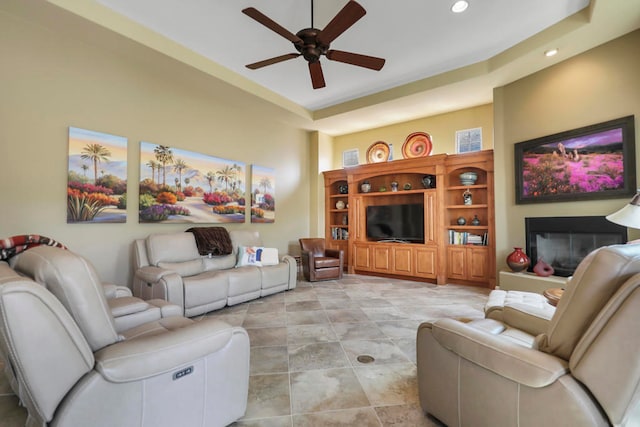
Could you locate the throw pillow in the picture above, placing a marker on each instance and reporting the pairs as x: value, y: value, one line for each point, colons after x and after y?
x: 249, y: 255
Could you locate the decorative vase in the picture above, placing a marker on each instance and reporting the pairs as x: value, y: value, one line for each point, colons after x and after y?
x: 365, y: 187
x: 543, y: 269
x: 467, y: 198
x: 518, y: 260
x: 475, y: 220
x: 394, y: 186
x: 461, y: 221
x: 429, y: 181
x: 343, y: 189
x: 407, y: 186
x: 339, y: 204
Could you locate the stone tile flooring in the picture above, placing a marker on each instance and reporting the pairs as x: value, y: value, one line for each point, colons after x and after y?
x: 305, y: 344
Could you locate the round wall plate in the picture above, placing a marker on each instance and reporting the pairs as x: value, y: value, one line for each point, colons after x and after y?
x: 417, y: 144
x: 378, y: 152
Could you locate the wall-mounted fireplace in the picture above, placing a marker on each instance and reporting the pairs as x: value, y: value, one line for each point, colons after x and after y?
x: 564, y: 241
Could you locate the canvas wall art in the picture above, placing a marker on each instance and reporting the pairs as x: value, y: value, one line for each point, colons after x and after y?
x: 263, y: 190
x: 96, y: 177
x: 184, y: 186
x: 592, y: 162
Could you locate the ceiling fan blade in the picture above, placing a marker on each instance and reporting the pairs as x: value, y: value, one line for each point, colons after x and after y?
x: 317, y: 78
x: 271, y: 24
x: 271, y: 61
x: 348, y: 16
x: 365, y: 61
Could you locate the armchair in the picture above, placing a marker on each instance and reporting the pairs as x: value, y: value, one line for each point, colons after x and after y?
x: 582, y: 370
x: 319, y: 263
x: 73, y: 368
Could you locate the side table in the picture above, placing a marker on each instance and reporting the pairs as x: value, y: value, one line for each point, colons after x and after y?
x: 553, y: 295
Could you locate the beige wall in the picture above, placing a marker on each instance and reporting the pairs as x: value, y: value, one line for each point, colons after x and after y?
x: 49, y: 82
x: 599, y: 85
x: 442, y: 129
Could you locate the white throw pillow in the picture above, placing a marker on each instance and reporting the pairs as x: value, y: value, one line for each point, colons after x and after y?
x: 256, y: 255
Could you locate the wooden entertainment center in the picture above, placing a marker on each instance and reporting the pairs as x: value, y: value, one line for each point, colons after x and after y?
x: 452, y: 251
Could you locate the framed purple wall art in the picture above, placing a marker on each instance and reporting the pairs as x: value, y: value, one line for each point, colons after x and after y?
x: 589, y: 163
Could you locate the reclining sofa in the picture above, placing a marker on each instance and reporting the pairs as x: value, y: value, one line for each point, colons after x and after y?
x: 69, y: 366
x: 170, y: 267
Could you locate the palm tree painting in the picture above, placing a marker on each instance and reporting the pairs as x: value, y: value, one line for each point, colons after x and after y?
x: 263, y: 189
x: 100, y: 195
x: 180, y: 186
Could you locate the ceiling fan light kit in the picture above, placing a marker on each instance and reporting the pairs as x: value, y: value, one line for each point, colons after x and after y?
x: 312, y: 43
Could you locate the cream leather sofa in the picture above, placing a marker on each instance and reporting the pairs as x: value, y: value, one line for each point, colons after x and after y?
x: 583, y: 370
x: 74, y: 369
x: 168, y: 266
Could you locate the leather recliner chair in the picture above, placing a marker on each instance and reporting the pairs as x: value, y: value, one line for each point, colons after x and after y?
x: 582, y: 370
x: 319, y: 263
x: 74, y: 369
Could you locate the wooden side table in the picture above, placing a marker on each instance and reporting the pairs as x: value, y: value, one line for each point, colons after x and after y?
x: 553, y: 295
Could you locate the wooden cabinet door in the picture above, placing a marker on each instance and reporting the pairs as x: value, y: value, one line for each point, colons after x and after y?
x: 361, y: 257
x: 402, y: 260
x: 456, y: 262
x: 477, y: 264
x: 381, y: 258
x: 426, y: 262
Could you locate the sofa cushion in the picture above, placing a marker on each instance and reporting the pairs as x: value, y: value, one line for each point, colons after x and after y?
x: 171, y: 247
x: 185, y: 268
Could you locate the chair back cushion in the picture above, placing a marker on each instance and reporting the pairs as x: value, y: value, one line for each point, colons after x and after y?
x: 313, y: 245
x: 606, y: 358
x: 175, y: 251
x: 244, y: 238
x: 48, y: 363
x: 597, y: 278
x: 72, y: 280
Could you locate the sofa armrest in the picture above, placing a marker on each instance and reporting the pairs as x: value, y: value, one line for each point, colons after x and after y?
x: 148, y: 356
x: 151, y: 274
x: 164, y: 284
x: 532, y: 320
x: 292, y: 265
x: 523, y: 365
x: 112, y: 290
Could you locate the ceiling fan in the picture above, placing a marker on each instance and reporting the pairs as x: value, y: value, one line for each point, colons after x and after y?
x: 312, y: 43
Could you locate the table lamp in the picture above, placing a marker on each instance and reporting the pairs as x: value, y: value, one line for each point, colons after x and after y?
x: 629, y: 215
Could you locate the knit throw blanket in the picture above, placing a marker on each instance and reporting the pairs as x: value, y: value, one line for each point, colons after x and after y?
x: 14, y: 245
x: 212, y: 240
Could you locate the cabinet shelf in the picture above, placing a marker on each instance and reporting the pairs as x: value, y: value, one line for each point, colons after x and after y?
x: 338, y: 196
x: 467, y: 227
x: 477, y: 206
x: 374, y: 193
x: 465, y: 187
x: 339, y: 210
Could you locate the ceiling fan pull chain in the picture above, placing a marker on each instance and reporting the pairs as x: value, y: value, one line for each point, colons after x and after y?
x: 312, y: 14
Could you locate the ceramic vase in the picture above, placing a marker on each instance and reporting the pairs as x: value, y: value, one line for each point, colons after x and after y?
x: 543, y: 269
x: 518, y: 260
x: 365, y: 187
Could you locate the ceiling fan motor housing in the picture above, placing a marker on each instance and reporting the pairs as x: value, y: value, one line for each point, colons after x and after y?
x: 310, y: 48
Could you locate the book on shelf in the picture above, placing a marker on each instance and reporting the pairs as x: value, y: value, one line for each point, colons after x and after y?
x: 339, y: 233
x: 466, y: 238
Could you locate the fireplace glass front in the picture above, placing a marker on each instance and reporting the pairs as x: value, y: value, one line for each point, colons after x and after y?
x: 563, y: 242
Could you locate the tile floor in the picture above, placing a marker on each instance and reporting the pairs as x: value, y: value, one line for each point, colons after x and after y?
x: 305, y: 344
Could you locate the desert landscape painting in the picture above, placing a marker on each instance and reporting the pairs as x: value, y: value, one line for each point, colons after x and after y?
x: 96, y: 177
x: 184, y: 186
x: 263, y: 190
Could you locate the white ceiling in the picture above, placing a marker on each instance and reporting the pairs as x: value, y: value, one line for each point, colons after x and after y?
x: 418, y: 38
x: 436, y: 61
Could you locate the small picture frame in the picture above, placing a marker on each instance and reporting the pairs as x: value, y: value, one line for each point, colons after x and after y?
x: 468, y: 140
x: 350, y: 158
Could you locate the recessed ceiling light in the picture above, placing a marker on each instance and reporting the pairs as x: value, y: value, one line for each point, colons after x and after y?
x: 459, y: 6
x: 550, y: 52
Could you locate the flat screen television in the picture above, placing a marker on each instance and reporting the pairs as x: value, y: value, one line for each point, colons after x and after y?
x: 396, y: 223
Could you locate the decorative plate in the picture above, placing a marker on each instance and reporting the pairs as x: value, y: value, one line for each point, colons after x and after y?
x: 378, y: 152
x: 417, y: 144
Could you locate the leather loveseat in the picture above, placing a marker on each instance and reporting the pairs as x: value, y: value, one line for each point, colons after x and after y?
x: 73, y: 368
x: 169, y: 266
